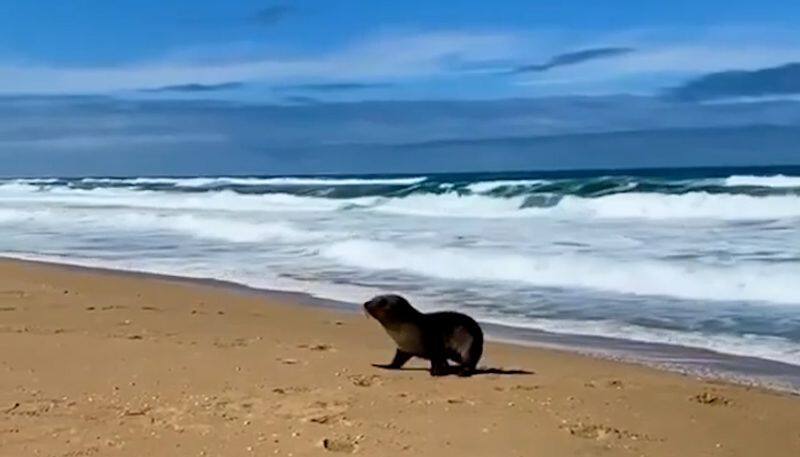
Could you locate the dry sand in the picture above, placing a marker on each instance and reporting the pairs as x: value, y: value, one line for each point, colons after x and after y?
x: 96, y: 363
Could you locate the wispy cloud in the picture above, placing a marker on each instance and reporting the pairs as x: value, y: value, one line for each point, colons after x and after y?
x: 194, y: 87
x: 333, y: 87
x: 666, y: 58
x: 375, y: 60
x: 404, y: 59
x: 574, y: 58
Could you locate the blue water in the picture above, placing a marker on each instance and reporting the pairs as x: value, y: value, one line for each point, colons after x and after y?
x: 701, y: 258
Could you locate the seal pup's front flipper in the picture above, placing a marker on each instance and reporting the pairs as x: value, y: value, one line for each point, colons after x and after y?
x: 439, y: 366
x: 400, y: 358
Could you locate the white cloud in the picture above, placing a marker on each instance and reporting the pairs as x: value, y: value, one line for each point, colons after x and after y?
x: 382, y: 58
x: 662, y: 57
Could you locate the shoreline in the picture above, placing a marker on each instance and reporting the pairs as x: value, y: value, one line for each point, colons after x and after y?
x: 684, y: 360
x: 111, y: 363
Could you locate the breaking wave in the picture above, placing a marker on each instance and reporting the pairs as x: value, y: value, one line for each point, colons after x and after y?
x: 755, y: 282
x: 488, y: 186
x: 625, y: 205
x: 763, y: 181
x: 198, y: 226
x: 243, y: 181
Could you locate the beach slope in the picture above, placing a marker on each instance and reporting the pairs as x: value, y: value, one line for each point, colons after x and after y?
x: 99, y: 363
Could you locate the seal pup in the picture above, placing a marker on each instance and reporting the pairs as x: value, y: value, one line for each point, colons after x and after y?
x: 438, y: 337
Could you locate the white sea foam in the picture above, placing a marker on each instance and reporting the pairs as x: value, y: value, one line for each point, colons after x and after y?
x: 763, y: 181
x: 775, y: 283
x: 694, y: 205
x: 487, y: 186
x: 33, y: 180
x: 10, y: 216
x: 450, y: 205
x: 290, y: 181
x: 219, y: 228
x: 17, y: 186
x: 245, y: 181
x: 633, y: 205
x: 430, y: 205
x: 747, y: 345
x: 190, y: 181
x: 208, y: 227
x: 217, y: 201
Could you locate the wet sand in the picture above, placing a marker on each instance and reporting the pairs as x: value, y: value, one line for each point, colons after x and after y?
x: 95, y: 363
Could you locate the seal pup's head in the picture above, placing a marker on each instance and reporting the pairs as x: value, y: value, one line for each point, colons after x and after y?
x: 390, y: 309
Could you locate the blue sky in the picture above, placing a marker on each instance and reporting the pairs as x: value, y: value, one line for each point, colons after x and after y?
x: 381, y: 49
x: 247, y: 86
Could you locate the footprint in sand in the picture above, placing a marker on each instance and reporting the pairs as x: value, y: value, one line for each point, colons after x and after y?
x: 14, y: 293
x: 316, y: 347
x: 518, y: 388
x: 611, y: 383
x: 290, y: 390
x: 289, y: 361
x: 33, y: 408
x: 327, y: 419
x: 345, y: 444
x: 11, y: 408
x: 711, y: 398
x: 237, y: 342
x: 361, y: 380
x: 598, y: 432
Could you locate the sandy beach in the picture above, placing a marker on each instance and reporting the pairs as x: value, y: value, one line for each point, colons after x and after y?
x: 97, y: 363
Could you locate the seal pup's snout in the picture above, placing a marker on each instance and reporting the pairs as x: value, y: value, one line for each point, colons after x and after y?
x: 375, y: 308
x: 371, y: 308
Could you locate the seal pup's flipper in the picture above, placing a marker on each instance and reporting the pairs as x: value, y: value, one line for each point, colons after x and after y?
x: 400, y: 358
x: 440, y: 367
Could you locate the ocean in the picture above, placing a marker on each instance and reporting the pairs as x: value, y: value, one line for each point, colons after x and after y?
x: 705, y: 259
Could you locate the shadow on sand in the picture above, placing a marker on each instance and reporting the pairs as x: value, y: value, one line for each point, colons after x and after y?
x: 479, y: 371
